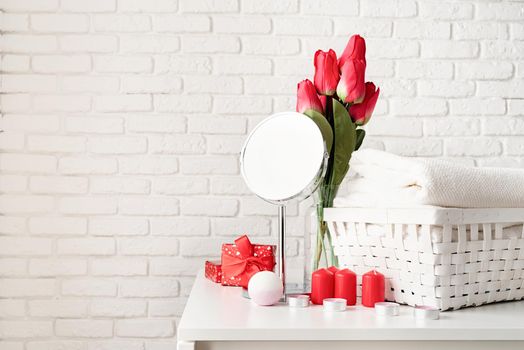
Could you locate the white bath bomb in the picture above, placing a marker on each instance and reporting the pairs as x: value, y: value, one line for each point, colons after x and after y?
x: 265, y: 288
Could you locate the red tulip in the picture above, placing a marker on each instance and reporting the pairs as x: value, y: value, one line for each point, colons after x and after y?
x: 360, y: 113
x: 351, y: 87
x: 307, y: 98
x: 323, y: 101
x: 326, y: 72
x: 355, y: 50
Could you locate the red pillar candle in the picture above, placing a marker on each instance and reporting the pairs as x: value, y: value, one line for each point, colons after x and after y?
x: 346, y: 286
x: 333, y: 269
x: 322, y: 286
x: 373, y: 288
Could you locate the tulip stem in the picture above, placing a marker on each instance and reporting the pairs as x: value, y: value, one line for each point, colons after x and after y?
x: 331, y: 120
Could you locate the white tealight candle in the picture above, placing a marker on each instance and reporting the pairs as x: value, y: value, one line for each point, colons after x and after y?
x: 334, y: 304
x: 425, y: 312
x: 387, y: 309
x: 298, y: 300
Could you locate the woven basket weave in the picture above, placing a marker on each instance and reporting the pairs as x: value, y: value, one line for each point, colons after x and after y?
x: 470, y: 263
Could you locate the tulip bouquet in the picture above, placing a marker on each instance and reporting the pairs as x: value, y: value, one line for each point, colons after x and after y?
x: 340, y: 102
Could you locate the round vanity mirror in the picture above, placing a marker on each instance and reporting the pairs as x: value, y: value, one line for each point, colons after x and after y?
x: 284, y: 158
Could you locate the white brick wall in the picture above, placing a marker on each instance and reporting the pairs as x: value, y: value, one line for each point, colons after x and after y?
x: 122, y: 119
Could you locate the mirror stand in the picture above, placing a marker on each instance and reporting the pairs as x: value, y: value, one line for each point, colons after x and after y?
x: 281, y: 252
x: 282, y: 246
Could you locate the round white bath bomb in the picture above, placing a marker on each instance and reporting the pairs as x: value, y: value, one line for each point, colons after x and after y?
x: 265, y: 288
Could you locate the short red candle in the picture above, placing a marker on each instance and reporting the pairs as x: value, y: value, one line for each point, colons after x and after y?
x: 346, y: 286
x: 333, y: 269
x: 322, y: 286
x: 373, y: 288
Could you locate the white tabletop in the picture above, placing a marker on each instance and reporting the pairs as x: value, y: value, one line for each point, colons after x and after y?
x: 217, y: 313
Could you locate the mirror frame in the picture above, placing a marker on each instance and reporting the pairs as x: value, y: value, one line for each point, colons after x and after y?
x: 311, y: 186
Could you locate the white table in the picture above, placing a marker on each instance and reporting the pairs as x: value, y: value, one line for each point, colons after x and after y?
x: 219, y: 317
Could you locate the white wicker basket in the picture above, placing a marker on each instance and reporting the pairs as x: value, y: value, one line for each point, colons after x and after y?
x: 472, y: 261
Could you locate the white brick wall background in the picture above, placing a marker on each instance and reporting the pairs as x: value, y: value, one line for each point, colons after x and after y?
x: 122, y: 120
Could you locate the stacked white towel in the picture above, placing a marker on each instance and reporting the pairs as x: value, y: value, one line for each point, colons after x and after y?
x: 387, y: 180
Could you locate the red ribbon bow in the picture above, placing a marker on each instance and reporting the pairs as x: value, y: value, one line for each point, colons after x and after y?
x: 245, y: 263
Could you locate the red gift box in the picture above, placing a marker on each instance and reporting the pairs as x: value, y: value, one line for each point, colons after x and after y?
x: 214, y: 271
x: 242, y: 260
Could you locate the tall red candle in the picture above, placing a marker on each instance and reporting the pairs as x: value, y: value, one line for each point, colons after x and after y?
x: 346, y: 286
x: 333, y: 269
x: 373, y: 288
x: 322, y: 286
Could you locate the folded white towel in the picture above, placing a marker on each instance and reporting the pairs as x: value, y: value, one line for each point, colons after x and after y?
x: 387, y: 180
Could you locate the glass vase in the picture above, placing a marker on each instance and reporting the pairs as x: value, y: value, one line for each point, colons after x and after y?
x: 318, y: 240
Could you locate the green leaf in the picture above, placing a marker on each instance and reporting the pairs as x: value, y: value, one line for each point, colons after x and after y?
x: 324, y: 127
x: 361, y: 133
x: 344, y: 142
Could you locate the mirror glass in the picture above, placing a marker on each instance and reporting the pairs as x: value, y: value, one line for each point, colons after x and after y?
x: 284, y: 157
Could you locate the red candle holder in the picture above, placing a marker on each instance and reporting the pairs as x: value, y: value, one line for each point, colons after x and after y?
x: 322, y: 286
x: 373, y: 288
x: 346, y: 286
